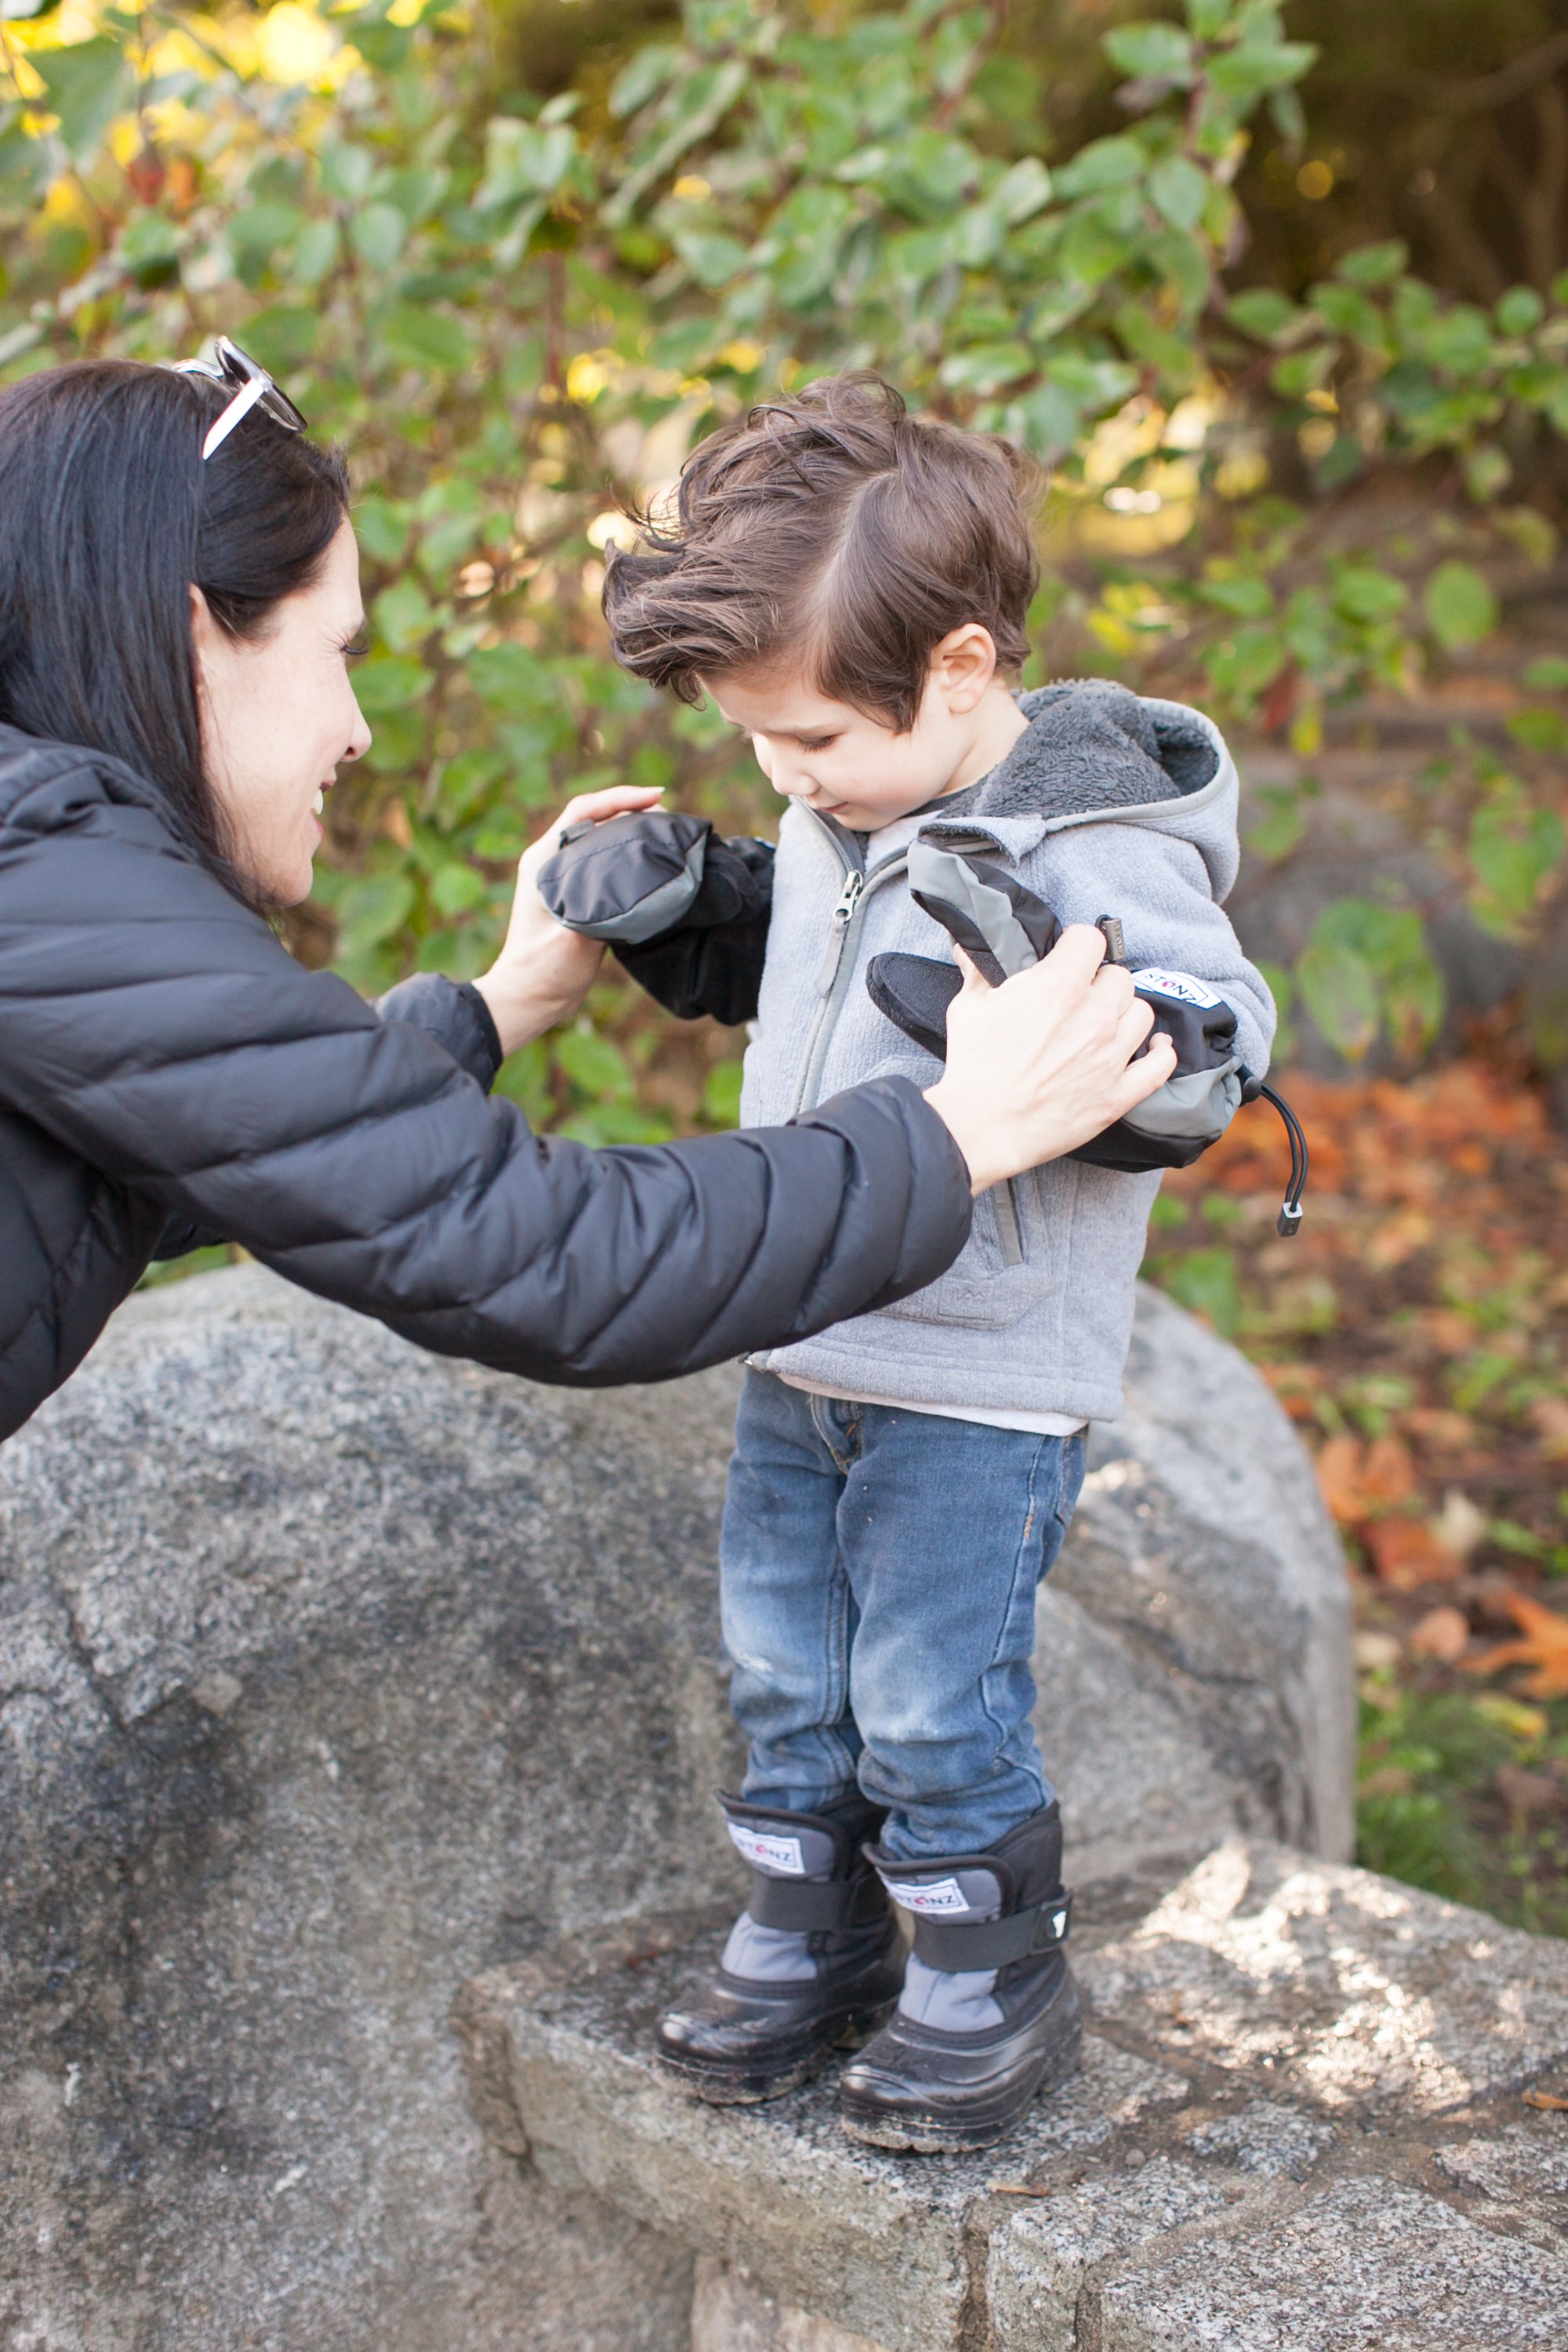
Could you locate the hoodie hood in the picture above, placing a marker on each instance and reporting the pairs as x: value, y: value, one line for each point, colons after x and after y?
x: 1095, y: 753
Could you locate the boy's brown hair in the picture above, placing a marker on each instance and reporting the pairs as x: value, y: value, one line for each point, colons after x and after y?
x: 835, y: 533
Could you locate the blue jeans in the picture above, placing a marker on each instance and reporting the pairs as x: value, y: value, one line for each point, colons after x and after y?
x: 878, y: 1571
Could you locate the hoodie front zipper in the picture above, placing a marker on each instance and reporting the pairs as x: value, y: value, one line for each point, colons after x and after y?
x: 837, y: 960
x: 833, y: 986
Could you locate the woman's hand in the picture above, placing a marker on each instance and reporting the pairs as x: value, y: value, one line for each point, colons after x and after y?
x: 543, y: 970
x: 1040, y: 1064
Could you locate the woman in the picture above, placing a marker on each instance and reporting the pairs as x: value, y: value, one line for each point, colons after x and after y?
x: 178, y: 599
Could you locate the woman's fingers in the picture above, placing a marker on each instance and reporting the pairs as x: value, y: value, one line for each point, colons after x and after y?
x: 593, y: 808
x: 1040, y: 1064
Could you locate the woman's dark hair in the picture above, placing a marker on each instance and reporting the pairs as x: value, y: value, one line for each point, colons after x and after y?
x: 835, y: 532
x: 108, y: 514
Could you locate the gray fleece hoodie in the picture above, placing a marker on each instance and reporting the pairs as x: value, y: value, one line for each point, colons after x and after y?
x: 1107, y: 804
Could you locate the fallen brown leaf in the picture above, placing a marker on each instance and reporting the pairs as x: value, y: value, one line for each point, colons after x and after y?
x: 1443, y: 1634
x: 1544, y: 1647
x: 1388, y: 1473
x: 1339, y: 1475
x: 1529, y: 1792
x: 1549, y: 1415
x: 1407, y: 1554
x: 1547, y: 2099
x: 1022, y: 2188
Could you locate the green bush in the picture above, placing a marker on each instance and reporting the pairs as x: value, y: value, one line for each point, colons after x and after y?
x: 518, y: 315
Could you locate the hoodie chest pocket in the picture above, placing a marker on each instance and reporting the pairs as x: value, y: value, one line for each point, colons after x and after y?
x: 1005, y: 1268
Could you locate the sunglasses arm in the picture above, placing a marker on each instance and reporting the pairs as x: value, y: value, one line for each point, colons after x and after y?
x: 238, y: 408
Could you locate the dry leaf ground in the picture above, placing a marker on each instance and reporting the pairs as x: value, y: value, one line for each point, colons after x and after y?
x: 1416, y: 1331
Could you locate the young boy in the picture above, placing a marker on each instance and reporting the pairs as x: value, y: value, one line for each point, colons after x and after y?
x: 850, y: 584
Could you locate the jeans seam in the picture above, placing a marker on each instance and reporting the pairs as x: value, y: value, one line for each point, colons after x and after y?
x: 1008, y: 1605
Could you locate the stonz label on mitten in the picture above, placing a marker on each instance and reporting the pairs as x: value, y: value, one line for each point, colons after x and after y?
x: 765, y: 1852
x: 1179, y: 984
x: 942, y: 1894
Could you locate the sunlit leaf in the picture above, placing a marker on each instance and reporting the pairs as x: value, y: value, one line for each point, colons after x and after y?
x: 1460, y: 607
x: 88, y: 84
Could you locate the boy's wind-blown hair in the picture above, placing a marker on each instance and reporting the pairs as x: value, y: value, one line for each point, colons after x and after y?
x: 835, y: 534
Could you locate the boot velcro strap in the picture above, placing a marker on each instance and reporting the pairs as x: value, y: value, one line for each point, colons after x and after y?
x: 955, y: 1945
x: 811, y: 1906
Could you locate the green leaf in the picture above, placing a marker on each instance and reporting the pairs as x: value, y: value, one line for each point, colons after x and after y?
x: 713, y: 260
x: 988, y: 367
x: 806, y: 234
x: 1263, y: 313
x: 370, y: 911
x: 1180, y: 191
x: 1340, y: 992
x: 282, y: 338
x: 512, y: 680
x: 377, y: 233
x: 457, y: 889
x: 391, y: 683
x: 1513, y: 849
x: 1051, y: 420
x: 1245, y: 74
x: 1460, y: 607
x: 1373, y: 265
x: 88, y: 84
x: 1347, y: 311
x: 1547, y: 677
x: 595, y: 1064
x: 403, y: 615
x: 1364, y: 594
x: 722, y: 1094
x: 523, y: 1078
x: 1249, y: 597
x: 1103, y: 164
x: 1539, y: 730
x: 316, y: 251
x: 426, y: 339
x: 1021, y: 192
x: 1204, y: 1282
x: 1520, y: 311
x: 1154, y: 52
x: 1367, y: 963
x: 1240, y: 666
x: 650, y: 70
x: 1280, y: 829
x: 380, y: 529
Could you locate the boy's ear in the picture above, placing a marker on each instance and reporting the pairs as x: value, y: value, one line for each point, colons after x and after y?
x: 962, y: 666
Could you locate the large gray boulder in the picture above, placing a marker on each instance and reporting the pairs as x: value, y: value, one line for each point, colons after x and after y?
x: 332, y: 1674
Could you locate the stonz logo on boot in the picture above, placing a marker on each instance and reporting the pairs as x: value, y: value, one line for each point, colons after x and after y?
x: 766, y: 1852
x: 942, y: 1894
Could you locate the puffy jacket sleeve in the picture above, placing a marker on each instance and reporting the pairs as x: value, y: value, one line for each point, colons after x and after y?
x: 156, y: 1027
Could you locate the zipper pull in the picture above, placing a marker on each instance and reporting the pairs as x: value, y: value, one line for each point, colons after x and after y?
x: 843, y: 915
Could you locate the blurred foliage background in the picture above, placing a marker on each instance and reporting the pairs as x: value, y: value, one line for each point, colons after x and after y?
x: 1280, y: 291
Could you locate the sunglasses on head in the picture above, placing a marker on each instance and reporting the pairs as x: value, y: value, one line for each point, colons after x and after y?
x: 252, y: 388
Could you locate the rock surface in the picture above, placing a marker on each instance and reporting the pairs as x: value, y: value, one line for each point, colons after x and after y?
x: 332, y: 1674
x: 1298, y: 2126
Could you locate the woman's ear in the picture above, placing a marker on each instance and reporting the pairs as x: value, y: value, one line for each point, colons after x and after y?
x: 964, y: 666
x: 207, y: 638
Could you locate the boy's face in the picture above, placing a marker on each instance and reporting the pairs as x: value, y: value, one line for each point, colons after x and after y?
x: 848, y: 765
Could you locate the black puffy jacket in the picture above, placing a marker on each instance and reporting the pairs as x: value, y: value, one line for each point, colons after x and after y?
x: 169, y: 1074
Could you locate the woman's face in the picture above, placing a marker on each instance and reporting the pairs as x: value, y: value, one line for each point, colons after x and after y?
x: 278, y: 714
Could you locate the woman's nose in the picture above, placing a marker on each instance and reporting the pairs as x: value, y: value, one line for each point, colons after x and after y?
x: 361, y: 740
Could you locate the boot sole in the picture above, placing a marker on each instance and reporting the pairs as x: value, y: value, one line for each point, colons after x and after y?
x: 718, y: 2086
x: 931, y: 2133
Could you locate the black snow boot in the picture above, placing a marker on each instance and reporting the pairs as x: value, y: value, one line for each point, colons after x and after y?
x: 989, y: 2016
x: 814, y: 1963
